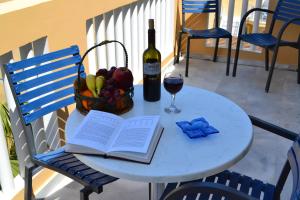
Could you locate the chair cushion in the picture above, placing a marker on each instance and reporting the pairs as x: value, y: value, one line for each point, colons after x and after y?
x: 260, y: 39
x: 68, y: 165
x: 232, y: 179
x: 209, y: 33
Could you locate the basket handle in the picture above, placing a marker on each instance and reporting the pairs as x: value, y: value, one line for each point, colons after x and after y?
x: 98, y: 45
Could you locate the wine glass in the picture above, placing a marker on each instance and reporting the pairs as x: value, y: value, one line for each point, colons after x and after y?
x: 173, y: 84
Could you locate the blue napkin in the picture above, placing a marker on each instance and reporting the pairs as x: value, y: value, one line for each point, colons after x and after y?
x: 197, y: 128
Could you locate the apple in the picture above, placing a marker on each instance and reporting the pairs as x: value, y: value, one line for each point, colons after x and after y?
x: 123, y: 78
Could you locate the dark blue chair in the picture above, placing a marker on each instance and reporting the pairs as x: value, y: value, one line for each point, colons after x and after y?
x: 42, y: 85
x: 235, y: 186
x: 198, y: 7
x: 286, y: 11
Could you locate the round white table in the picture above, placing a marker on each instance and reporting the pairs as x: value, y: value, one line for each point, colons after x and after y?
x: 177, y: 157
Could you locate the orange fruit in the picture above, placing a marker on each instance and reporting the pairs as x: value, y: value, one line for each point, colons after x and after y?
x: 84, y: 103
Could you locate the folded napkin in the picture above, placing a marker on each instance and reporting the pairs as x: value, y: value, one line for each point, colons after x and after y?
x: 197, y: 128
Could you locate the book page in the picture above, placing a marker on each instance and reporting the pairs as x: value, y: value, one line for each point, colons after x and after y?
x: 135, y: 134
x: 97, y: 130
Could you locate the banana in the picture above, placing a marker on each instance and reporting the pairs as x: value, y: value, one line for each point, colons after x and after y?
x: 91, y: 84
x: 99, y: 83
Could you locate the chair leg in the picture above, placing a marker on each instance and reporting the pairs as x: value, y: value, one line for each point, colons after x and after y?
x: 28, y: 194
x: 298, y: 66
x: 85, y: 193
x: 216, y: 50
x: 267, y: 59
x: 272, y: 68
x: 149, y: 189
x: 187, y: 57
x: 228, y: 56
x: 237, y: 51
x: 179, y: 48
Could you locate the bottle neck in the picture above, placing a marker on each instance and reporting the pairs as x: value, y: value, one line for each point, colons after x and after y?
x: 151, y: 38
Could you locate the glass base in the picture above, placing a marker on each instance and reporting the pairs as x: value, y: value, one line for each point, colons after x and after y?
x: 172, y: 109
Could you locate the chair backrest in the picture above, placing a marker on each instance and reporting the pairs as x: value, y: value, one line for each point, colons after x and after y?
x: 294, y: 161
x: 43, y: 84
x: 285, y: 11
x: 200, y: 6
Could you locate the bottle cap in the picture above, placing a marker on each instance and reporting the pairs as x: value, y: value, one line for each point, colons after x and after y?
x: 151, y: 23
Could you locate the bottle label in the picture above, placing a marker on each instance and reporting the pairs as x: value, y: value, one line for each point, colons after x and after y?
x: 152, y: 68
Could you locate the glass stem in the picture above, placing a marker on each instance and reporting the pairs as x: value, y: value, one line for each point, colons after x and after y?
x: 173, y: 100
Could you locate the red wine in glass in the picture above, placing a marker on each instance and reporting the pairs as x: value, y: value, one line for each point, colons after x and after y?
x: 173, y: 84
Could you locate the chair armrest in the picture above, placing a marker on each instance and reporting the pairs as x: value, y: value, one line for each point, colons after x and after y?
x: 209, y: 188
x: 273, y: 128
x: 248, y: 13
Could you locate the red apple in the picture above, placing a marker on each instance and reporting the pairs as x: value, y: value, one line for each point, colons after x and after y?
x: 123, y: 78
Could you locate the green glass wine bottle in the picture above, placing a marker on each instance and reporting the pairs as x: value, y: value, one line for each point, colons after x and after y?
x: 151, y: 67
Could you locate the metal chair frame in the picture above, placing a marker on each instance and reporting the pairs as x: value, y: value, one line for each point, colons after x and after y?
x: 202, y: 7
x: 287, y: 15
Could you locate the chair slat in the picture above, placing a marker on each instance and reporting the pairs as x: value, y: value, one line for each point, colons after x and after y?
x: 44, y: 68
x: 234, y: 179
x: 11, y: 67
x: 50, y: 155
x: 46, y: 89
x: 26, y: 108
x: 60, y: 157
x: 77, y: 169
x: 288, y: 16
x: 85, y: 173
x: 93, y: 177
x: 222, y: 178
x: 53, y: 107
x: 199, y: 2
x: 287, y: 10
x: 198, y: 11
x: 269, y: 191
x: 67, y: 166
x: 46, y: 78
x: 245, y: 184
x: 257, y: 188
x: 199, y: 6
x: 210, y: 179
x: 287, y: 19
x: 63, y: 160
x: 294, y: 10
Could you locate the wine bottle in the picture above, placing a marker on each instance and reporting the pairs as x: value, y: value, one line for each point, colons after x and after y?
x: 151, y: 67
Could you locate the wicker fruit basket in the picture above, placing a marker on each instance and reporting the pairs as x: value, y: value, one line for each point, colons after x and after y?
x: 113, y: 98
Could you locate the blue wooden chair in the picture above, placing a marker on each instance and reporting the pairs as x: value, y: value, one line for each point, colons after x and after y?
x: 286, y: 11
x: 235, y: 186
x: 41, y: 85
x: 198, y: 7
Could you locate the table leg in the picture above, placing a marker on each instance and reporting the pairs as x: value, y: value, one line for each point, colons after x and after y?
x: 156, y: 190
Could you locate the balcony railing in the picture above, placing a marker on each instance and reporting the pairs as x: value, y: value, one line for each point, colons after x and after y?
x: 129, y: 25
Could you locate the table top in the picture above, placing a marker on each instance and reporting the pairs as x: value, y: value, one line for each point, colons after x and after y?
x: 177, y: 157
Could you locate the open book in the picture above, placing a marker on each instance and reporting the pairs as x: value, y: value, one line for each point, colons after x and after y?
x: 106, y: 134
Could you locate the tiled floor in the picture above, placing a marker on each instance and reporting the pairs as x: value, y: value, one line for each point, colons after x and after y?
x: 268, y: 152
